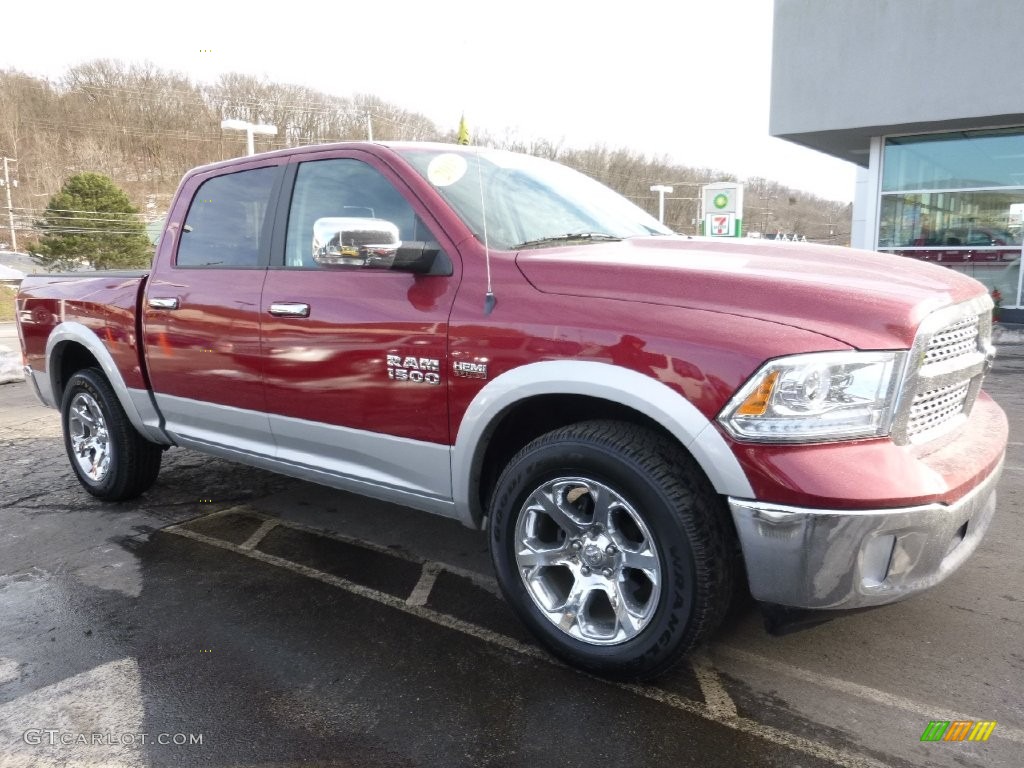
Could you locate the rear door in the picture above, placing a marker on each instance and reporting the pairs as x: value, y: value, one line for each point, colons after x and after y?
x: 201, y: 313
x: 356, y: 358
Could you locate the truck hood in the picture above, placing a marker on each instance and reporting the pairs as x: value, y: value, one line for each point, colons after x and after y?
x: 865, y: 299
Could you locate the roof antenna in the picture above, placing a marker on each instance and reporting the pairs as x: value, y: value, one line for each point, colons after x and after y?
x: 489, y: 299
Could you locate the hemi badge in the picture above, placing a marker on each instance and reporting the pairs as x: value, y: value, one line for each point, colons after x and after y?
x: 468, y: 370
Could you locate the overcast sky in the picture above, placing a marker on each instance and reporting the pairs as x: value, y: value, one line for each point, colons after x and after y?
x: 686, y: 79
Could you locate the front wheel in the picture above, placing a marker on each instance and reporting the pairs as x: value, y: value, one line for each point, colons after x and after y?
x: 611, y: 548
x: 110, y: 458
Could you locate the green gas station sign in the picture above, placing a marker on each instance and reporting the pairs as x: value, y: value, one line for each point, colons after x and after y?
x: 723, y: 209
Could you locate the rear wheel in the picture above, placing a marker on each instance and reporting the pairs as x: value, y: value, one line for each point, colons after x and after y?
x: 611, y: 548
x: 110, y: 458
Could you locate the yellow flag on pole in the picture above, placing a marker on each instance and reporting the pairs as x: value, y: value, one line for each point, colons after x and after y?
x: 463, y: 131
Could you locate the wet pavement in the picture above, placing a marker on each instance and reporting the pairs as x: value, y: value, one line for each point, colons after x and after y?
x: 235, y: 617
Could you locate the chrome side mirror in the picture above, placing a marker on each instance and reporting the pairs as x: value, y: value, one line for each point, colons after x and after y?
x: 344, y: 241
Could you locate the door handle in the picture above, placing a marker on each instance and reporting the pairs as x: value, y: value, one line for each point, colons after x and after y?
x: 289, y: 309
x: 164, y: 302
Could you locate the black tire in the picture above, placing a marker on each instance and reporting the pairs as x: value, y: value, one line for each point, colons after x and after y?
x: 133, y: 462
x: 646, y: 482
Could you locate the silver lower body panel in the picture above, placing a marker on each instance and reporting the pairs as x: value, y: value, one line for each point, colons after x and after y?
x: 40, y: 386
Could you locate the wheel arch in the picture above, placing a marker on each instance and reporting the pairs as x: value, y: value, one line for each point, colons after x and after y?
x: 67, y: 358
x: 510, y: 409
x: 73, y: 346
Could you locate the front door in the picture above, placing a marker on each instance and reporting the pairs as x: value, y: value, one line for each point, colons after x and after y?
x: 355, y: 358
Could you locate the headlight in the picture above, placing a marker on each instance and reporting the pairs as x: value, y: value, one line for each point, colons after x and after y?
x: 817, y: 397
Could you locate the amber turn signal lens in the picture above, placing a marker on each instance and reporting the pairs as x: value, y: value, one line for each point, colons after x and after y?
x: 757, y: 401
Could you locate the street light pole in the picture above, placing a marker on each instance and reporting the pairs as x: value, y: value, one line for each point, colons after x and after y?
x: 250, y: 129
x: 661, y: 189
x: 10, y: 205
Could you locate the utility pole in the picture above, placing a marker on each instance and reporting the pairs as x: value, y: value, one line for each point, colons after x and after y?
x: 10, y: 205
x: 369, y: 127
x: 661, y: 189
x: 669, y: 188
x: 250, y: 129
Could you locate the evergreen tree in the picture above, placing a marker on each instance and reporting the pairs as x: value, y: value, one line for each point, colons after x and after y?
x: 91, y: 223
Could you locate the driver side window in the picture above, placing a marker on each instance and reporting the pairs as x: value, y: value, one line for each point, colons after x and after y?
x: 357, y: 198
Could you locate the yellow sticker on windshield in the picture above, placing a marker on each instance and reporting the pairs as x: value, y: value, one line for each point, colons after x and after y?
x: 446, y: 169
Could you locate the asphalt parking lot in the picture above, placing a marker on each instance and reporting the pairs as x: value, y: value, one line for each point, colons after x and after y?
x: 235, y: 617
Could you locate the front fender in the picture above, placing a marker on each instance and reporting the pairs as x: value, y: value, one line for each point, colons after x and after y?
x: 591, y: 379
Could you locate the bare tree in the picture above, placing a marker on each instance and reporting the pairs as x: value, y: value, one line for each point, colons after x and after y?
x: 144, y: 127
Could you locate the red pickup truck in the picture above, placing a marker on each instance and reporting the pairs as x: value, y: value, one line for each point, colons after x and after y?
x: 636, y: 417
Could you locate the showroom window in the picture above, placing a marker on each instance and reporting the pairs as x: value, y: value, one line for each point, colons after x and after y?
x: 957, y: 199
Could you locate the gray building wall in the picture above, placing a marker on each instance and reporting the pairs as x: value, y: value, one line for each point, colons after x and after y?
x: 846, y: 70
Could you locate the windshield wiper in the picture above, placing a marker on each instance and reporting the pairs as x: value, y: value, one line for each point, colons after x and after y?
x: 587, y: 237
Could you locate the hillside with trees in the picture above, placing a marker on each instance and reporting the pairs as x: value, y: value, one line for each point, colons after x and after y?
x: 143, y: 127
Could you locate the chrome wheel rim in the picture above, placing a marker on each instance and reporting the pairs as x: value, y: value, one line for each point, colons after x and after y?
x: 588, y: 560
x: 90, y: 441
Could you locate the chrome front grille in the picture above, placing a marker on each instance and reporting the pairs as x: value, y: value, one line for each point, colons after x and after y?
x: 947, y: 364
x: 959, y: 339
x: 934, y: 408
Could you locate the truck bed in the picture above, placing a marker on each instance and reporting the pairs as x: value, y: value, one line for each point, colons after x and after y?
x: 105, y: 302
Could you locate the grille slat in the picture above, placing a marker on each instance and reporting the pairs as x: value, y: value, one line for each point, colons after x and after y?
x: 930, y: 409
x: 935, y: 407
x: 955, y: 341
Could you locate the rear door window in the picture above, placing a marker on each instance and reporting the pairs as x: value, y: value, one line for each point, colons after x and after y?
x: 225, y: 225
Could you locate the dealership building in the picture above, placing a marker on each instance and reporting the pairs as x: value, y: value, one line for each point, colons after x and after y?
x: 927, y: 98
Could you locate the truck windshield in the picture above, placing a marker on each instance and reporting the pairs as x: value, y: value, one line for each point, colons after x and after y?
x: 530, y: 202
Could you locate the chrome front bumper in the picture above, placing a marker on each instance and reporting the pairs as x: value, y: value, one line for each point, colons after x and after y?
x: 812, y: 558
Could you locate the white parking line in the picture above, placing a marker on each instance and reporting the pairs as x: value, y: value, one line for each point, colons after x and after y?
x: 858, y: 690
x: 714, y: 714
x: 368, y: 592
x: 719, y: 702
x: 718, y: 699
x: 421, y: 592
x: 241, y: 509
x: 485, y: 582
x: 259, y: 534
x: 106, y: 699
